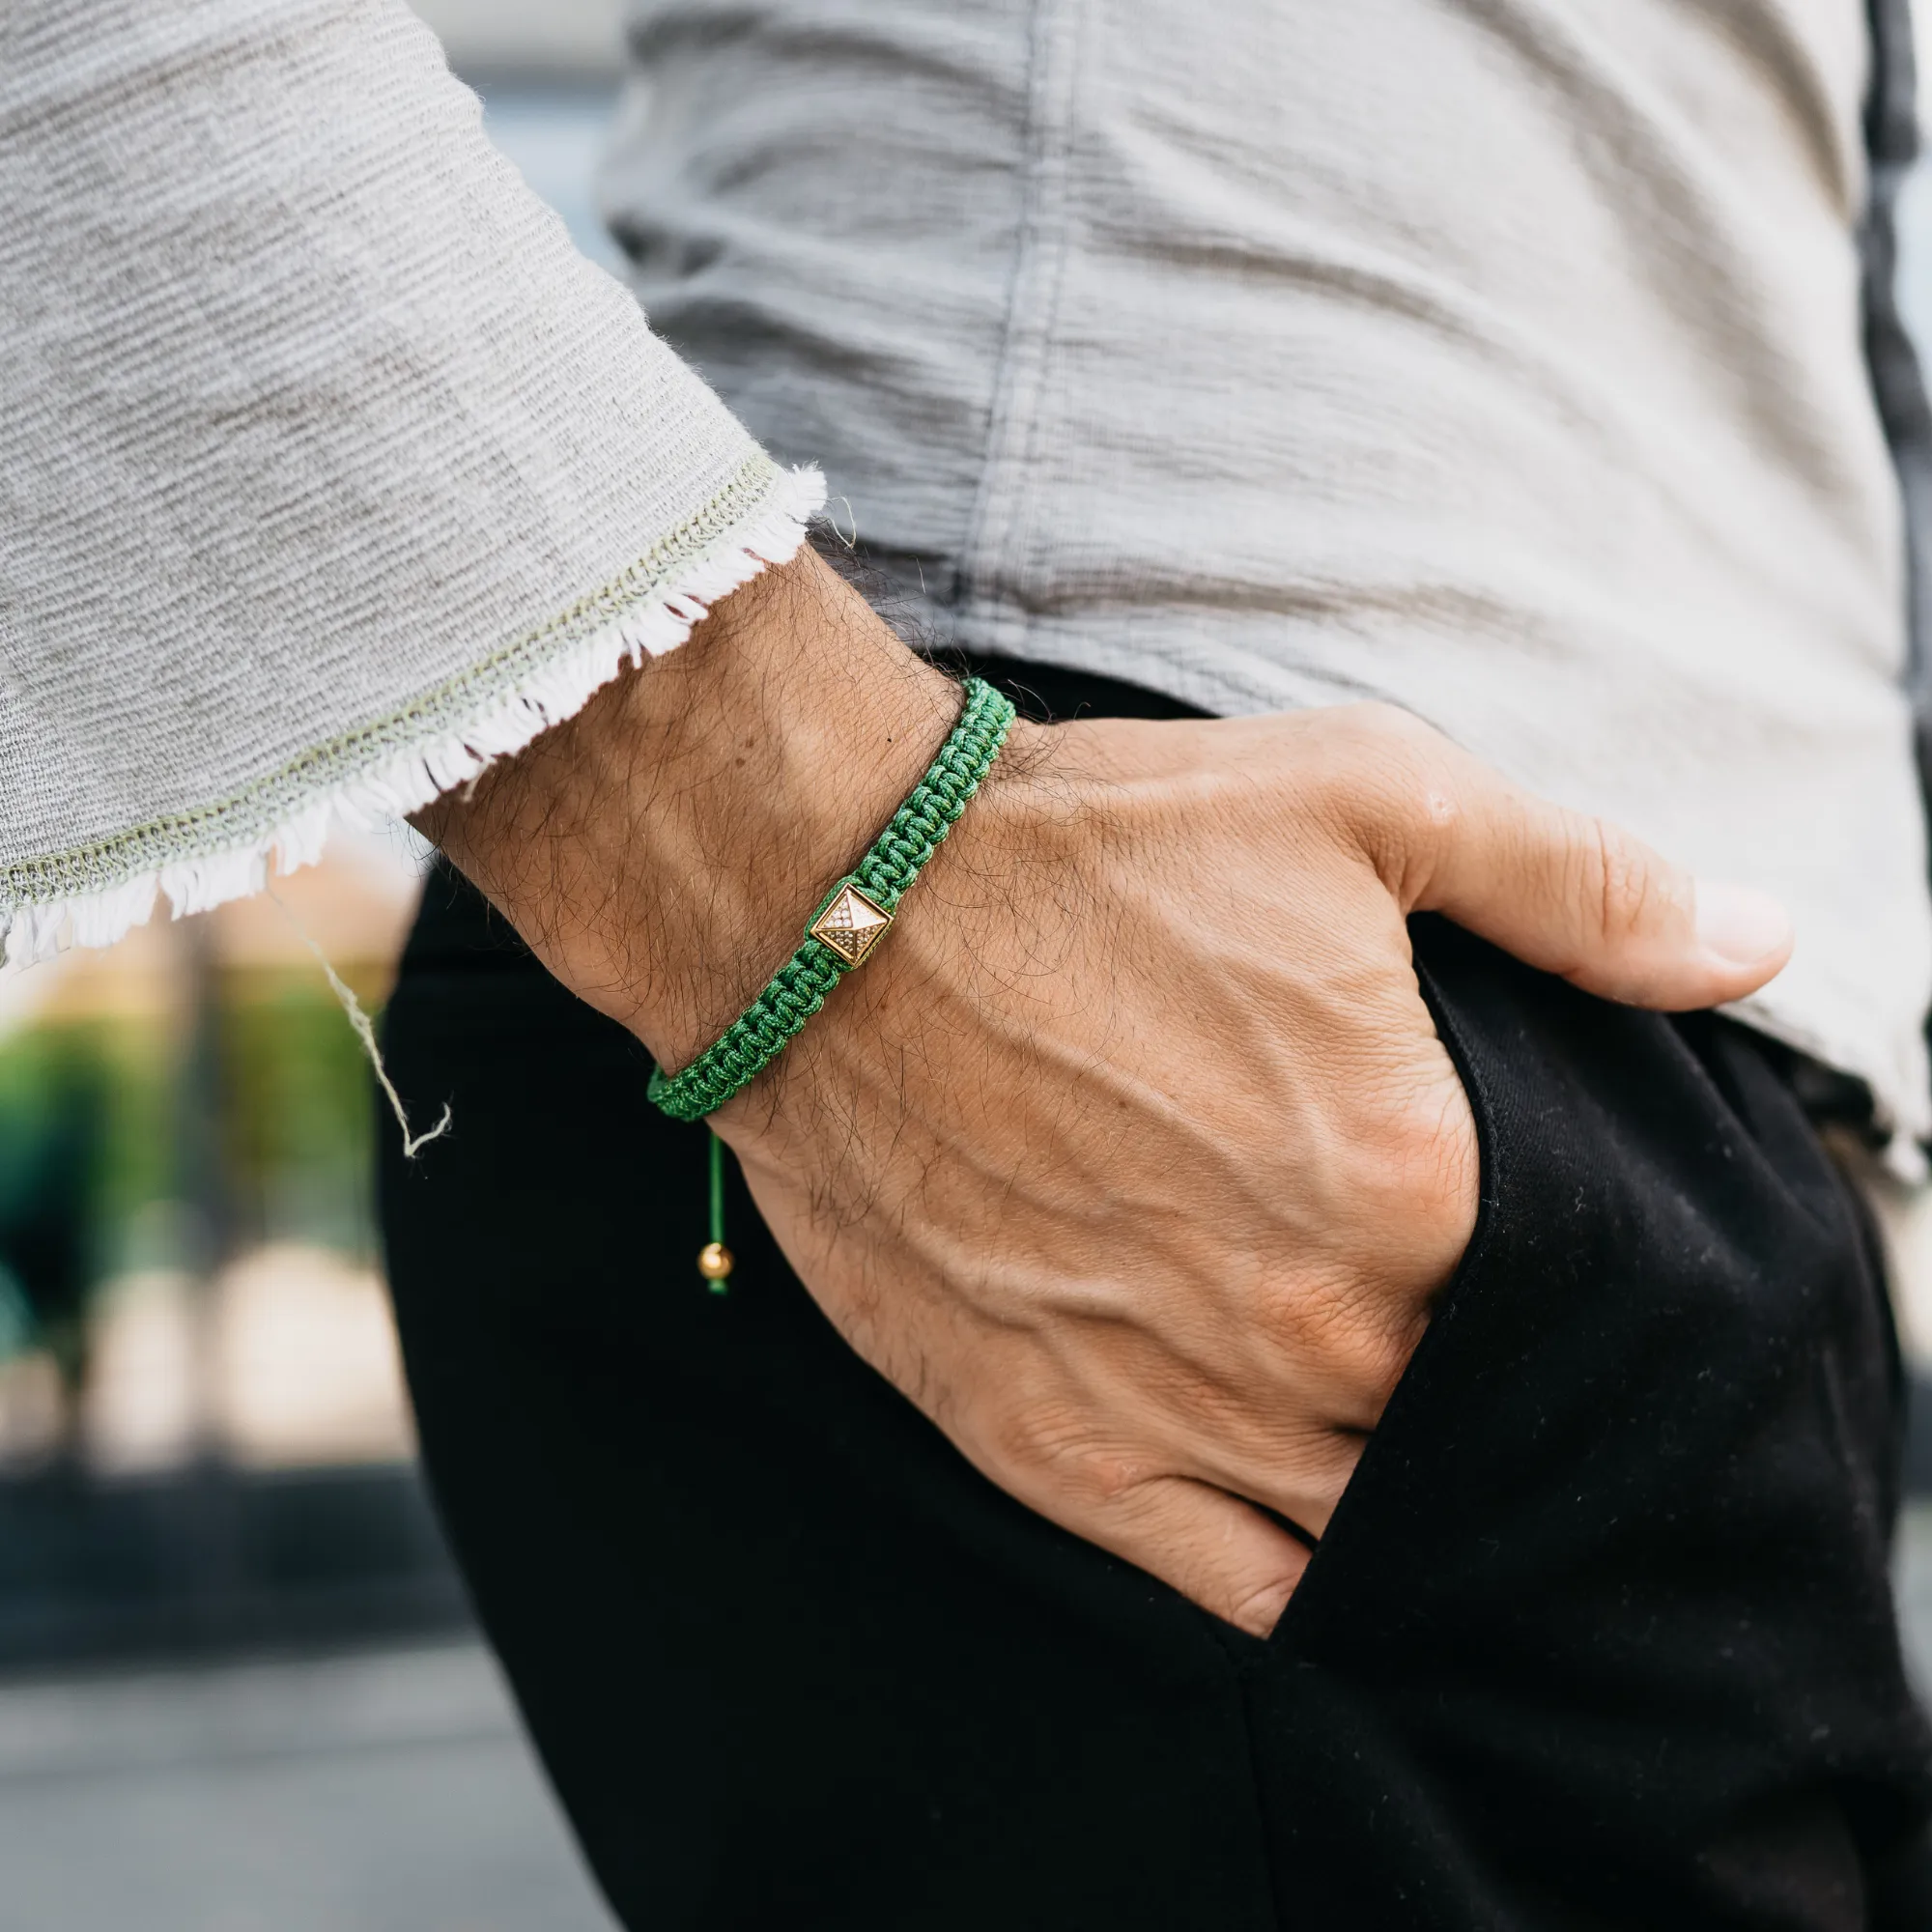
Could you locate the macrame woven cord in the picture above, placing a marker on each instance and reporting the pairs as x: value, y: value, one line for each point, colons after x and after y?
x: 897, y: 856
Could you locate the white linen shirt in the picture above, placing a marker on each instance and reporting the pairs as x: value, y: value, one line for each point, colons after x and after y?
x: 328, y: 470
x: 1500, y: 359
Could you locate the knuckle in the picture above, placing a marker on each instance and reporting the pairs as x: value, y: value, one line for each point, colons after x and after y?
x: 1634, y: 891
x: 1388, y: 780
x: 1458, y: 1183
x: 1410, y: 1202
x: 1032, y: 1435
x: 1375, y: 747
x: 1354, y: 739
x: 1620, y: 885
x: 1257, y: 1608
x: 1429, y: 1223
x: 1048, y: 1446
x: 1344, y: 1345
x: 1417, y: 1157
x: 1377, y: 726
x: 1370, y: 1365
x: 1441, y: 1155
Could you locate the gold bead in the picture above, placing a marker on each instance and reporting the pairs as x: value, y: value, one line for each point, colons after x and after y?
x: 714, y: 1260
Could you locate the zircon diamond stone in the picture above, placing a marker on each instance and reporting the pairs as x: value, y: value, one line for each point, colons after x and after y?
x: 852, y: 925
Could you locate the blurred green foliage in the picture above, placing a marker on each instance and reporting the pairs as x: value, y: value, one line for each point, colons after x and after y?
x: 58, y: 1093
x: 91, y: 1128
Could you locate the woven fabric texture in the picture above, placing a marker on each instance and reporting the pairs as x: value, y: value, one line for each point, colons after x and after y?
x: 328, y: 467
x: 1500, y: 361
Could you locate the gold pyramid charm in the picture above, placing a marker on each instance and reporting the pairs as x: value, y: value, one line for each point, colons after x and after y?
x: 851, y: 925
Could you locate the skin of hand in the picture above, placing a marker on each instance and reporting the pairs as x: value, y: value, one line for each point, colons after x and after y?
x: 1132, y: 1156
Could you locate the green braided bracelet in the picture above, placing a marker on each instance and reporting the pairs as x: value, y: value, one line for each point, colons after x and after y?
x: 851, y: 918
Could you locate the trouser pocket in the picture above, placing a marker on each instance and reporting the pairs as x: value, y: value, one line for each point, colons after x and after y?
x: 1601, y: 1627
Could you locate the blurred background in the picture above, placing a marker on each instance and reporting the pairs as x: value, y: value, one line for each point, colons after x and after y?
x: 240, y: 1687
x: 238, y: 1684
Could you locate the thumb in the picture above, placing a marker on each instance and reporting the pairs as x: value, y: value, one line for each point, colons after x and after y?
x: 1570, y: 894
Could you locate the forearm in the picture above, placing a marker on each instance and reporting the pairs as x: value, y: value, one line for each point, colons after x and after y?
x: 662, y: 850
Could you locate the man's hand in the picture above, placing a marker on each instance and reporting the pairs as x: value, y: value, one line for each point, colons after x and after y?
x: 1132, y: 1157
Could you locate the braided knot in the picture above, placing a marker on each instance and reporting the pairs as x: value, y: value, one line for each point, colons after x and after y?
x: 897, y: 858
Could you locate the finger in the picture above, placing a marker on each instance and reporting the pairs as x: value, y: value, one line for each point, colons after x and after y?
x: 1210, y: 1545
x: 1562, y: 891
x: 1297, y: 1490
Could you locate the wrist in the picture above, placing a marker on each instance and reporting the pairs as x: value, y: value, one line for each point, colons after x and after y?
x: 662, y: 850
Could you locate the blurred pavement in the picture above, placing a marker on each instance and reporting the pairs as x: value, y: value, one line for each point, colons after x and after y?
x: 388, y: 1792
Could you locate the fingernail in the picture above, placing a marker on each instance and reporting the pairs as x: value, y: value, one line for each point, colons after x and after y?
x: 1740, y: 923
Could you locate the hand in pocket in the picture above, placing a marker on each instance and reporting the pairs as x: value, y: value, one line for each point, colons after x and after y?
x: 1132, y: 1158
x: 1140, y: 1163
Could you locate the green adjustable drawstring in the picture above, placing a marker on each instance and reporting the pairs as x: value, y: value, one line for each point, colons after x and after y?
x: 714, y: 1260
x: 851, y: 920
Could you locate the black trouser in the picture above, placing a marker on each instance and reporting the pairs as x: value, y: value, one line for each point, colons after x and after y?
x: 1599, y: 1636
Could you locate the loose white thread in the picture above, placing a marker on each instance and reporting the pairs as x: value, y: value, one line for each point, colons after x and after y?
x: 412, y: 1143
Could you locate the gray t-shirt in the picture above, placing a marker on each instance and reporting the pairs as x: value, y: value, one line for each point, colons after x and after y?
x: 1498, y: 358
